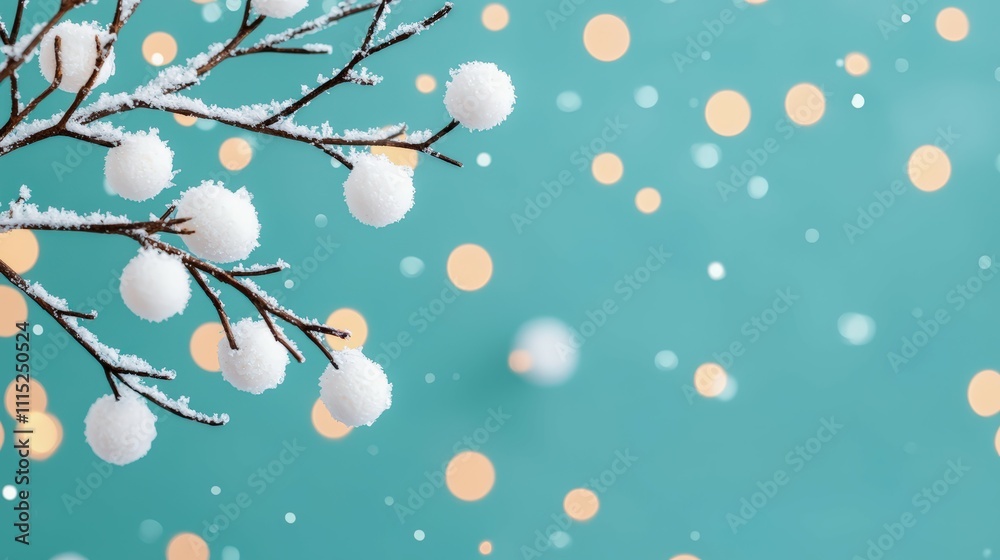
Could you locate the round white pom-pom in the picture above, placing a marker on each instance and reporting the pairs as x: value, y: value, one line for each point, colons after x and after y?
x: 479, y: 95
x: 155, y: 285
x: 550, y: 351
x: 378, y: 192
x: 77, y: 55
x: 224, y: 222
x: 259, y: 362
x: 122, y: 431
x: 357, y: 393
x: 140, y: 167
x: 279, y: 8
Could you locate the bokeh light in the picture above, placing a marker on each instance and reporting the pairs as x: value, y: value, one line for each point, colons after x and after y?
x: 470, y: 476
x: 469, y: 267
x: 606, y: 37
x: 351, y: 320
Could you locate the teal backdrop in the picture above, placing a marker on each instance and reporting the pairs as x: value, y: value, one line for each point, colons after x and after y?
x: 831, y: 444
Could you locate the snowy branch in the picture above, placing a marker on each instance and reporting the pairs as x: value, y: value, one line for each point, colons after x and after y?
x: 216, y: 224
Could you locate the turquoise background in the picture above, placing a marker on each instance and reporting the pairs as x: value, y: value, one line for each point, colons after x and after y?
x: 697, y: 458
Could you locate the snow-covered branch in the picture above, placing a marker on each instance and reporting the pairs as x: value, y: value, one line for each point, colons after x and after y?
x: 215, y: 223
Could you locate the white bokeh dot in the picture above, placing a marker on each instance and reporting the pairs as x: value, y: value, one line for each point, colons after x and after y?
x: 211, y: 12
x: 646, y: 97
x: 37, y: 330
x: 858, y: 101
x: 429, y: 378
x: 9, y: 492
x: 289, y: 284
x: 695, y: 535
x: 812, y: 235
x: 757, y: 187
x: 484, y: 159
x: 902, y: 65
x: 569, y: 101
x: 216, y: 490
x: 230, y: 553
x: 706, y: 156
x: 985, y: 262
x: 716, y: 271
x: 665, y: 360
x: 905, y: 18
x: 411, y: 267
x: 419, y: 535
x: 289, y: 518
x: 321, y: 220
x: 150, y: 530
x: 857, y: 329
x: 389, y: 500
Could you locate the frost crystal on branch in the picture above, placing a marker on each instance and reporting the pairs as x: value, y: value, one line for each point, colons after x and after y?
x: 217, y: 225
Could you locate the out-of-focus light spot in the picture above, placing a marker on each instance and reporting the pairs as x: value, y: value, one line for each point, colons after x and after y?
x: 569, y: 101
x: 469, y: 267
x: 984, y: 393
x: 426, y: 83
x: 706, y: 156
x: 710, y: 380
x: 159, y: 48
x: 665, y: 360
x: 727, y: 113
x: 350, y: 320
x: 757, y: 187
x: 929, y: 168
x: 856, y: 329
x: 952, y: 24
x: 646, y: 97
x: 581, y: 504
x: 805, y: 104
x: 470, y: 476
x: 856, y: 64
x: 607, y: 168
x: 495, y: 17
x: 411, y: 267
x: 606, y: 37
x: 647, y: 200
x: 716, y: 271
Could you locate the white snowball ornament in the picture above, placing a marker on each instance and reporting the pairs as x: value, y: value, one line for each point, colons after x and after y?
x: 378, y: 192
x: 479, y: 95
x: 357, y: 393
x: 279, y: 8
x: 259, y: 362
x: 140, y: 167
x: 225, y: 223
x: 155, y: 285
x: 77, y: 55
x: 120, y: 432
